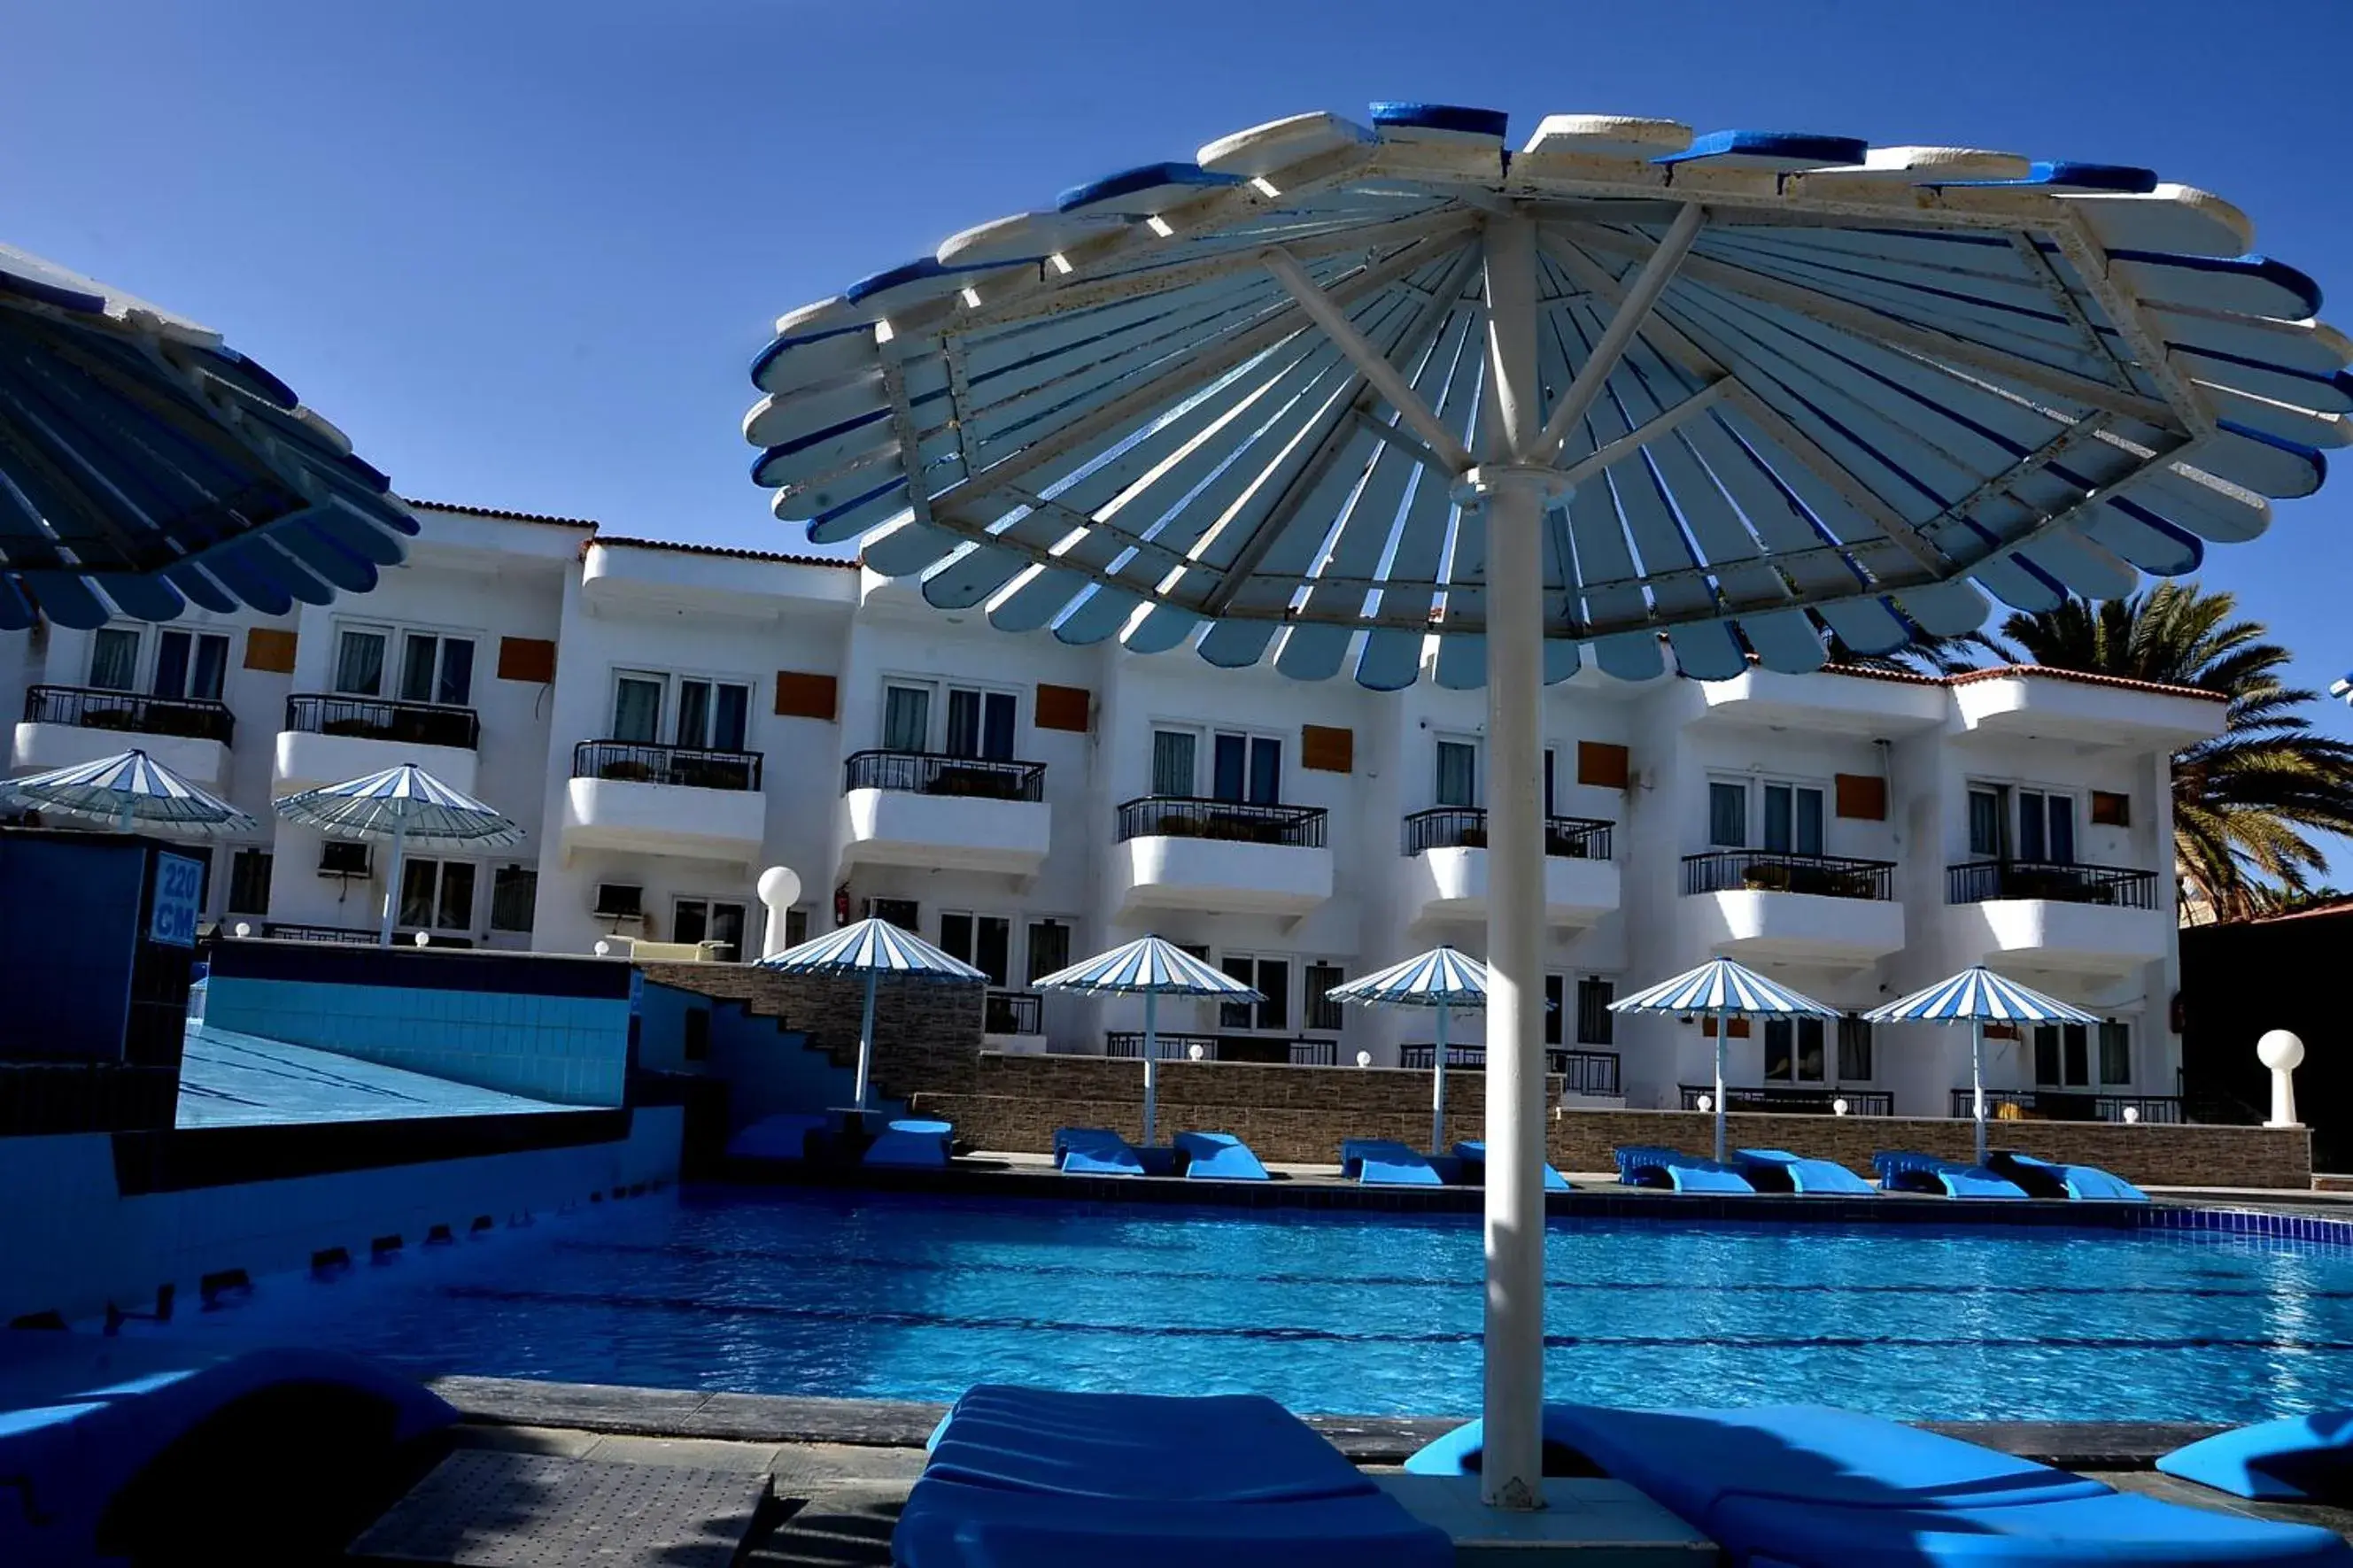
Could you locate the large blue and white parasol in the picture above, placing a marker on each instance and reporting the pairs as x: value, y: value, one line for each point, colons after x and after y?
x: 127, y: 791
x: 872, y: 948
x: 1723, y: 990
x: 1394, y: 398
x: 1150, y: 967
x: 145, y: 465
x: 1977, y: 996
x: 405, y: 805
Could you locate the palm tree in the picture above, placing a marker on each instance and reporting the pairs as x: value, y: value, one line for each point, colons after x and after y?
x: 2243, y: 802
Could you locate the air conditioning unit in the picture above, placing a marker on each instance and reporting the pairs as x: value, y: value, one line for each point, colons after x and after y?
x: 620, y: 901
x: 344, y: 857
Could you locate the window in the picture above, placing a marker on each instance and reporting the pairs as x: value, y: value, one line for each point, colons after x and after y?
x: 248, y: 882
x: 708, y: 920
x: 115, y: 660
x: 2115, y: 1053
x: 1547, y: 765
x: 1050, y: 949
x: 1458, y: 773
x: 796, y: 926
x: 1596, y: 1024
x: 359, y: 661
x: 1793, y: 819
x: 980, y: 724
x: 985, y: 941
x: 2046, y: 827
x: 1271, y: 977
x: 514, y: 893
x: 1793, y: 1050
x: 190, y: 665
x: 2063, y: 1055
x: 1553, y: 997
x: 1172, y: 762
x: 712, y: 715
x: 637, y: 707
x: 1315, y: 983
x: 1986, y: 821
x: 435, y: 669
x: 436, y: 895
x: 906, y: 718
x: 1853, y: 1049
x: 1727, y: 815
x: 1246, y: 769
x: 899, y: 912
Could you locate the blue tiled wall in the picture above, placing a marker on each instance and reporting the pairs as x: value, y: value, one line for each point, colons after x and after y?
x: 767, y: 1069
x: 573, y: 1050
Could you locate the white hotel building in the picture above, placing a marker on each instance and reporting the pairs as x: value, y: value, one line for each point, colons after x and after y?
x: 668, y: 721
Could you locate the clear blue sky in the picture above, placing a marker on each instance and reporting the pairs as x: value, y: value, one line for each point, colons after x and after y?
x: 524, y: 251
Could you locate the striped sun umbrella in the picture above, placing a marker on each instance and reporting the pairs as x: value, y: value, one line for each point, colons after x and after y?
x: 1151, y: 968
x: 407, y: 805
x: 128, y: 790
x: 1977, y: 996
x: 873, y: 948
x: 1725, y: 990
x: 1442, y: 978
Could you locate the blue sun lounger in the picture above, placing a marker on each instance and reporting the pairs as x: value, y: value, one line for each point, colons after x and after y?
x: 1904, y: 1171
x: 1023, y: 1475
x: 1473, y: 1159
x: 912, y: 1144
x: 2303, y: 1458
x: 2048, y: 1179
x: 1802, y: 1485
x: 1216, y: 1156
x: 1094, y: 1152
x: 1778, y: 1171
x: 1383, y: 1163
x: 1671, y: 1170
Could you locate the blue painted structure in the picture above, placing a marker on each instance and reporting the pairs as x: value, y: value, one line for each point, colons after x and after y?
x: 2302, y: 1459
x: 1901, y: 1171
x: 1778, y: 1171
x: 1644, y: 1165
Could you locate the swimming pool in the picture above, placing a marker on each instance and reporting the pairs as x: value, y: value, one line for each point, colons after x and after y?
x: 785, y: 1292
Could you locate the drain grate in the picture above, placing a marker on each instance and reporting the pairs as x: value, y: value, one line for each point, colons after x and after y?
x: 485, y: 1509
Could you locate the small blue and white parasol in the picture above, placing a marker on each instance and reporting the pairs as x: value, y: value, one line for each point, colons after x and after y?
x: 1442, y: 978
x: 1723, y: 990
x: 873, y: 948
x: 1977, y: 996
x: 407, y: 805
x: 1150, y: 967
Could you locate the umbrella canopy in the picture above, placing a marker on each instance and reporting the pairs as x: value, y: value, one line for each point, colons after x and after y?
x: 1977, y: 996
x: 1328, y: 392
x: 1442, y: 977
x: 1148, y: 966
x: 1723, y: 986
x: 129, y: 790
x: 874, y: 947
x: 145, y: 465
x: 406, y: 805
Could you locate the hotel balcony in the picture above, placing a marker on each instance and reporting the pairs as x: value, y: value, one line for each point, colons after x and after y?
x: 1447, y: 878
x: 1013, y: 1021
x: 1789, y: 1100
x: 329, y: 737
x: 1765, y: 904
x: 1585, y: 1075
x: 1178, y: 852
x: 665, y: 800
x: 66, y: 725
x: 2085, y: 920
x: 959, y: 814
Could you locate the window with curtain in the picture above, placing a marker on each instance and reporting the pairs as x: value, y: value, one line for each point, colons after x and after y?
x: 905, y: 913
x: 1272, y: 978
x: 435, y: 669
x: 1315, y: 983
x: 709, y: 920
x: 1596, y: 1024
x: 191, y: 665
x: 2046, y: 827
x: 1172, y: 762
x: 906, y: 718
x: 980, y: 724
x: 1549, y: 811
x: 2115, y: 1053
x: 1554, y: 999
x: 115, y: 660
x: 2063, y: 1055
x: 1985, y: 822
x: 1458, y: 773
x: 638, y: 709
x: 1793, y: 1050
x: 1727, y: 815
x: 436, y: 895
x: 359, y: 661
x: 1246, y: 769
x: 1793, y: 819
x: 1853, y: 1049
x: 1050, y: 949
x: 985, y: 941
x: 248, y: 882
x: 712, y: 714
x: 514, y: 896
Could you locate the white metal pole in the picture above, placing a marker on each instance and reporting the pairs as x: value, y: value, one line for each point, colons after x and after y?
x: 866, y: 1039
x: 1977, y: 1082
x: 392, y: 882
x: 1151, y: 1065
x: 1512, y: 1472
x: 1438, y: 1086
x: 1723, y: 1027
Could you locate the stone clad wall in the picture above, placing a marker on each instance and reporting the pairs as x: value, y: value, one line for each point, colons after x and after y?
x: 1300, y: 1115
x: 926, y: 1031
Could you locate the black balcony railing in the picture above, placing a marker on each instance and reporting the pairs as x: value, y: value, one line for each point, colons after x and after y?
x: 1296, y: 1050
x: 350, y: 936
x: 2071, y: 1105
x: 86, y: 708
x: 627, y: 762
x: 1788, y: 1100
x: 1775, y: 871
x: 1584, y: 1072
x: 1013, y: 1013
x: 1187, y: 817
x: 2118, y: 886
x: 1167, y: 1047
x: 369, y: 718
x: 1465, y: 828
x: 929, y: 772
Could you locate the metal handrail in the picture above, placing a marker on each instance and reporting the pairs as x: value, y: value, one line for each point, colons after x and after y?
x: 2118, y: 887
x: 376, y: 719
x: 1465, y: 828
x: 2073, y: 1105
x: 935, y: 772
x: 1013, y: 1013
x: 1592, y: 1073
x: 90, y: 708
x: 1189, y: 816
x: 1779, y: 871
x: 1165, y: 1047
x: 1787, y: 1100
x: 631, y: 762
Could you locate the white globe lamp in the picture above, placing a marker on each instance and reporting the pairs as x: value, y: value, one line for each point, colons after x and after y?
x: 779, y: 888
x: 2281, y: 1053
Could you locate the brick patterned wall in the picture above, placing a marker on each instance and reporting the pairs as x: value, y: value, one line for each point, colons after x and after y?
x: 1300, y: 1115
x: 926, y: 1031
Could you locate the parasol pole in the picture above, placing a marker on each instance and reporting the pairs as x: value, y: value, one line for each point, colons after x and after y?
x: 1438, y: 1085
x: 866, y: 1038
x: 392, y: 881
x: 1977, y: 1082
x: 1723, y: 1027
x: 1151, y: 1064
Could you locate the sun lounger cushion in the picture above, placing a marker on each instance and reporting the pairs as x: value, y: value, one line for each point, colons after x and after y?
x: 1474, y: 1158
x: 2050, y: 1179
x: 2303, y: 1458
x: 1777, y: 1170
x: 1379, y: 1161
x: 1093, y: 1159
x: 910, y: 1142
x: 1236, y: 1447
x: 946, y: 1524
x: 1218, y: 1156
x: 1901, y: 1171
x: 1069, y: 1138
x: 1643, y: 1165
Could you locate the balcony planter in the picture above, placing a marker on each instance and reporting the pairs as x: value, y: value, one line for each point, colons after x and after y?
x: 623, y: 771
x: 1766, y: 878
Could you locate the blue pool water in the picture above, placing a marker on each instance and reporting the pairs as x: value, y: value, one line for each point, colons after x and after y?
x: 882, y: 1296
